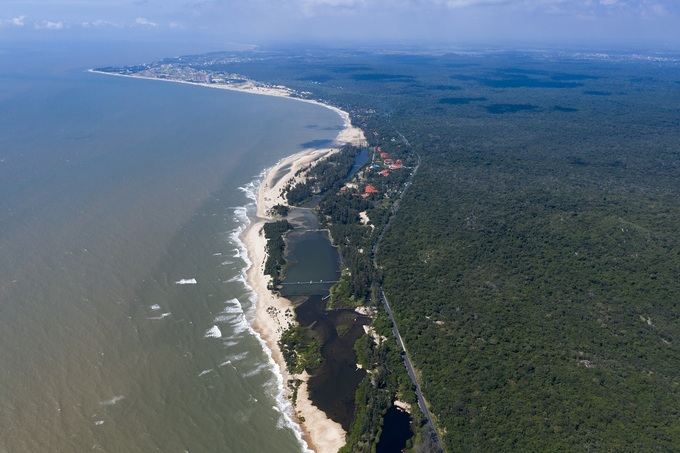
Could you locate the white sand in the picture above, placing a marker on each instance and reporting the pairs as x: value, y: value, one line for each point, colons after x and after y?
x: 322, y: 434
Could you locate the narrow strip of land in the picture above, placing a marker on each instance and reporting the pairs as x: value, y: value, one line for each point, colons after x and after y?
x: 395, y: 330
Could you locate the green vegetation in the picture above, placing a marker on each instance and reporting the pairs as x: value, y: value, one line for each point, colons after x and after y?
x: 300, y: 349
x: 533, y: 266
x: 327, y: 175
x: 279, y: 210
x: 498, y: 109
x: 276, y: 246
x: 533, y: 263
x: 341, y: 295
x: 377, y: 391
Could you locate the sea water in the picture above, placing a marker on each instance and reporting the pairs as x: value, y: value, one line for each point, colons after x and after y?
x: 123, y: 303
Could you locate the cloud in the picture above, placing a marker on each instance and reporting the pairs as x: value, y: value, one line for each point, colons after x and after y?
x: 356, y: 20
x: 99, y: 24
x: 145, y: 22
x: 469, y: 3
x: 311, y: 8
x: 19, y: 21
x: 50, y: 25
x: 335, y: 3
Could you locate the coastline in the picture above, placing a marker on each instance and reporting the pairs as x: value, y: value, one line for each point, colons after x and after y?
x: 249, y: 86
x: 269, y: 320
x: 321, y: 433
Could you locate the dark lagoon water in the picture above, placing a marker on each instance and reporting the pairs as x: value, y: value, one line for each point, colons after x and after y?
x: 123, y: 304
x: 313, y: 263
x: 333, y: 386
x: 396, y: 431
x: 359, y: 161
x: 313, y: 266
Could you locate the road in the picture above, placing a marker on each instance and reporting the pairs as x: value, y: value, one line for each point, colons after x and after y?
x: 400, y: 342
x: 412, y: 374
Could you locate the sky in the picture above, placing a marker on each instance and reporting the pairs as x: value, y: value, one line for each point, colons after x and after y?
x: 647, y: 23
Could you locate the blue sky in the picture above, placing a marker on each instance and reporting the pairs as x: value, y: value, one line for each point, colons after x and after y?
x: 452, y: 22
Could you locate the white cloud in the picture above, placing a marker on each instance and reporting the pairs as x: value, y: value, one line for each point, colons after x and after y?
x: 310, y: 8
x: 336, y: 3
x: 99, y: 23
x: 19, y: 21
x: 145, y: 22
x: 50, y: 25
x: 467, y: 3
x: 254, y: 20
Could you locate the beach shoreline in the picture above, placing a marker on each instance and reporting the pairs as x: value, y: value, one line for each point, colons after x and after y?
x: 321, y: 433
x: 272, y: 313
x: 249, y: 86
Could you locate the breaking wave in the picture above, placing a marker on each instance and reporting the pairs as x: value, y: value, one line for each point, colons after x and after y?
x: 213, y: 332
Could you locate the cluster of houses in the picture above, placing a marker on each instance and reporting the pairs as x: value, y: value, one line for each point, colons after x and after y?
x: 386, y: 167
x: 368, y: 190
x: 388, y: 164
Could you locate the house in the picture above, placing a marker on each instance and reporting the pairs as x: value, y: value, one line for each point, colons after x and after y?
x: 368, y: 190
x: 385, y: 172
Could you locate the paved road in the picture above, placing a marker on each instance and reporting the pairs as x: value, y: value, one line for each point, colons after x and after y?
x: 400, y: 342
x: 412, y: 373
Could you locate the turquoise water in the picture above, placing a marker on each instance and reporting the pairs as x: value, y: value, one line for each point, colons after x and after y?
x: 123, y: 306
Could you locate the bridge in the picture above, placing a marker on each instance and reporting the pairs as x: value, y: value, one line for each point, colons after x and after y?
x: 311, y: 282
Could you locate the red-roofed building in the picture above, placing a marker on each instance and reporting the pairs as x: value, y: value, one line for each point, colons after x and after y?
x: 384, y: 155
x: 370, y: 189
x: 385, y: 172
x: 398, y: 164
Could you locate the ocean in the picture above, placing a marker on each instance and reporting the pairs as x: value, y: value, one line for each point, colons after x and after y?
x: 123, y: 303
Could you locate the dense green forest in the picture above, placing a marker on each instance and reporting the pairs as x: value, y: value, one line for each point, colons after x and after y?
x: 276, y: 247
x: 534, y: 265
x: 325, y: 176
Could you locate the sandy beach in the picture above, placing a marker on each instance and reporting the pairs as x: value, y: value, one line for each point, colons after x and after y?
x: 321, y: 434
